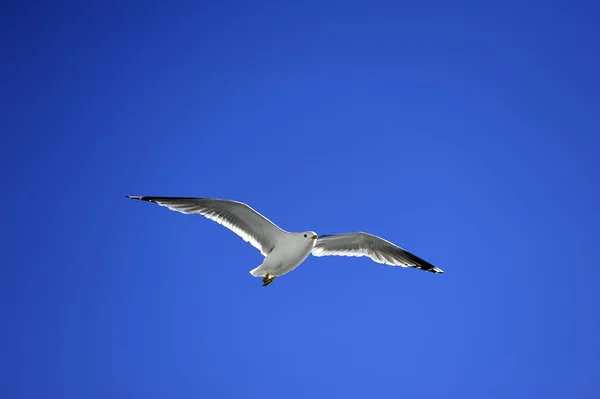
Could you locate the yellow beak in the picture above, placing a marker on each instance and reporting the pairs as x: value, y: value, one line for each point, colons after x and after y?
x: 315, y: 237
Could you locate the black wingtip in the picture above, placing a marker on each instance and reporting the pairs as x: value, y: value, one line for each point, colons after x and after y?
x: 145, y: 198
x: 430, y: 268
x: 422, y: 264
x: 138, y: 197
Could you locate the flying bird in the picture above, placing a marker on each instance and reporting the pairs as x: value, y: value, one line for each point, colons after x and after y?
x: 283, y: 250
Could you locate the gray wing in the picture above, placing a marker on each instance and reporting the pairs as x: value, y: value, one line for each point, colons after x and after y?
x: 376, y: 248
x: 236, y: 216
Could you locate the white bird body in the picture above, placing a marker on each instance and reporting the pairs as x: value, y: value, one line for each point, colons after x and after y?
x: 288, y: 254
x: 284, y: 251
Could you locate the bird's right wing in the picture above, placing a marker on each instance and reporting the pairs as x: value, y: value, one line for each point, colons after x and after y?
x: 376, y: 248
x: 236, y: 216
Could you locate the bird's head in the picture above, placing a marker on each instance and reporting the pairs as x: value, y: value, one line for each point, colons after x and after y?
x: 309, y: 235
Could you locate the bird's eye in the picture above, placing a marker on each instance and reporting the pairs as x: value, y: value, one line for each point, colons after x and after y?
x: 304, y: 235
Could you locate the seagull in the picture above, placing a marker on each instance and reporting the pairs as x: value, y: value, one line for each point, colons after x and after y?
x: 283, y: 250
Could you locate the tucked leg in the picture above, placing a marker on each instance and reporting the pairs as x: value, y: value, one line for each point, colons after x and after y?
x: 267, y: 280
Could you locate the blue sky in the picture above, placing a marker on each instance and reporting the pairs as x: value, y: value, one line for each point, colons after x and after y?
x: 467, y: 133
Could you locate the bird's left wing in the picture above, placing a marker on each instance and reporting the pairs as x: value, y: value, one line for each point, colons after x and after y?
x: 376, y: 248
x: 236, y: 216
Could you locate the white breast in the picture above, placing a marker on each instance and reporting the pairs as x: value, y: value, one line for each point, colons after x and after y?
x: 288, y: 254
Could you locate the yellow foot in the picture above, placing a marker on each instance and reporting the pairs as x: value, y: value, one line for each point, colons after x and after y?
x: 267, y: 280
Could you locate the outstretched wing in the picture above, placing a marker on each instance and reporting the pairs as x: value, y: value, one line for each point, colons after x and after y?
x: 376, y: 248
x: 236, y: 216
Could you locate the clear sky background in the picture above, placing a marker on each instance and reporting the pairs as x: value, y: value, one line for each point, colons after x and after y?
x: 467, y: 133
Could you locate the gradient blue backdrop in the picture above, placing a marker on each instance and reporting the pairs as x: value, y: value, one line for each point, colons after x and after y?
x: 465, y: 132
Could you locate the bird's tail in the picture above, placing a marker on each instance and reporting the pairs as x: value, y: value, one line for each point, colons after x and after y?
x: 257, y: 272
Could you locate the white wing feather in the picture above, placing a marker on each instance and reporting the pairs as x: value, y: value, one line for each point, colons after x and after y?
x: 238, y: 217
x: 376, y: 248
